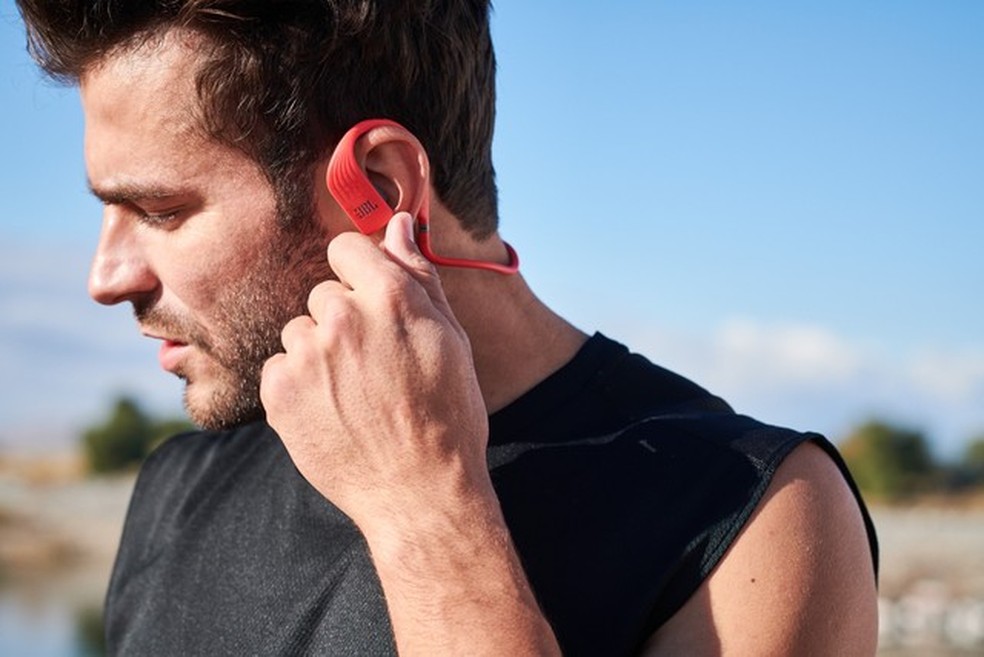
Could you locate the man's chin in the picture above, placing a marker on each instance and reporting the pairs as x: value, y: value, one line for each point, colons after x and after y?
x: 221, y: 408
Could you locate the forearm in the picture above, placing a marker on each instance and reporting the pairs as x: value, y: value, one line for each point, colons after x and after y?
x: 454, y: 584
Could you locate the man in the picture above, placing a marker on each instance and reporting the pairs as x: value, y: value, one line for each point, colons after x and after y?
x: 396, y: 457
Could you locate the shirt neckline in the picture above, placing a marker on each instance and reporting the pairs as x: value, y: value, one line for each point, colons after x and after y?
x: 554, y: 390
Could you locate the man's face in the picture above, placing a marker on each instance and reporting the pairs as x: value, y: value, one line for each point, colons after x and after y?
x: 190, y: 234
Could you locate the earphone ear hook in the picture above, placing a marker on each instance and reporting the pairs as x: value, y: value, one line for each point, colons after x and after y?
x: 369, y: 211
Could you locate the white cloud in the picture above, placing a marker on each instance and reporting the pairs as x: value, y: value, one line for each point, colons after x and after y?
x: 784, y: 354
x: 810, y: 377
x: 952, y: 377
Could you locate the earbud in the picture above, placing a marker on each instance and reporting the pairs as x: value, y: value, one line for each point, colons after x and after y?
x: 350, y: 185
x: 368, y: 210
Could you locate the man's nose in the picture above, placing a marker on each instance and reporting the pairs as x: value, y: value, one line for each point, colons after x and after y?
x: 119, y: 272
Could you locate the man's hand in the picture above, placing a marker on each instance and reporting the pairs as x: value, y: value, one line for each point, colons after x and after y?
x: 378, y: 404
x: 376, y: 397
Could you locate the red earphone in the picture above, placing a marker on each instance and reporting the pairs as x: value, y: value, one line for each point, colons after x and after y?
x: 351, y: 188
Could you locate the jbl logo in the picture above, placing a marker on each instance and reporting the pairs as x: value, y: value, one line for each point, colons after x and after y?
x: 365, y: 209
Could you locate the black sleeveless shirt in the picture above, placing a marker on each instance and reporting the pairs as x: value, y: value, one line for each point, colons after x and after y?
x: 622, y: 484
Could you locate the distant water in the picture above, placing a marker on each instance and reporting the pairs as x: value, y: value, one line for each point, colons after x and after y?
x: 37, y: 621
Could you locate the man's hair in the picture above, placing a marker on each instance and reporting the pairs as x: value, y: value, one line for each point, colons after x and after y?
x: 283, y: 79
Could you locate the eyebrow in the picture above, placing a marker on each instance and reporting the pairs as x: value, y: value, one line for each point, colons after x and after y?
x: 130, y: 192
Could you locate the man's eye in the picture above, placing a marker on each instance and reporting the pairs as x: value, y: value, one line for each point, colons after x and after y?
x: 158, y: 218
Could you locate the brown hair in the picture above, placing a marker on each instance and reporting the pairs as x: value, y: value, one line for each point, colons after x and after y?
x: 283, y: 79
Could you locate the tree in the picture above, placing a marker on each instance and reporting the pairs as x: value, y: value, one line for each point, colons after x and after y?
x: 889, y: 462
x: 972, y: 463
x: 126, y: 437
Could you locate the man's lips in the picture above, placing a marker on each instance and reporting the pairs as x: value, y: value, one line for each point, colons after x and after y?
x: 171, y: 354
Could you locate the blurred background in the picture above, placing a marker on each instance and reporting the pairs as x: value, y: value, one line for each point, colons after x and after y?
x: 782, y: 201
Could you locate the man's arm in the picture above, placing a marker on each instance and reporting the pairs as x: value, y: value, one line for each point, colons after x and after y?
x: 378, y: 404
x: 798, y: 580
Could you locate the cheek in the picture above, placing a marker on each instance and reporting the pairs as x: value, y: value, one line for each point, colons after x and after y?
x: 213, y: 267
x: 198, y: 289
x: 270, y: 287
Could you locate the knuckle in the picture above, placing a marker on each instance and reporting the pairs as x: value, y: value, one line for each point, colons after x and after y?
x: 272, y: 381
x: 343, y: 242
x: 293, y: 332
x: 342, y: 239
x: 320, y: 295
x: 335, y: 323
x: 325, y: 302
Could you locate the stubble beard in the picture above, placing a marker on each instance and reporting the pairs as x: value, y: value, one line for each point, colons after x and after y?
x: 248, y: 320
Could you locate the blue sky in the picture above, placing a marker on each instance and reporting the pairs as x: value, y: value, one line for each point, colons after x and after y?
x: 784, y: 201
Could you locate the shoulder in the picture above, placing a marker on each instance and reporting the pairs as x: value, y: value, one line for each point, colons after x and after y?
x: 798, y: 579
x: 650, y: 485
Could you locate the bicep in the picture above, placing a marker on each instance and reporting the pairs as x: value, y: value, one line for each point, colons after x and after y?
x: 798, y: 580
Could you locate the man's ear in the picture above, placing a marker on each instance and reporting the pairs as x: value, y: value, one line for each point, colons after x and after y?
x: 396, y: 164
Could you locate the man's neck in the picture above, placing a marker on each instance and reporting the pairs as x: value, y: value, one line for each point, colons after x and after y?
x: 517, y: 341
